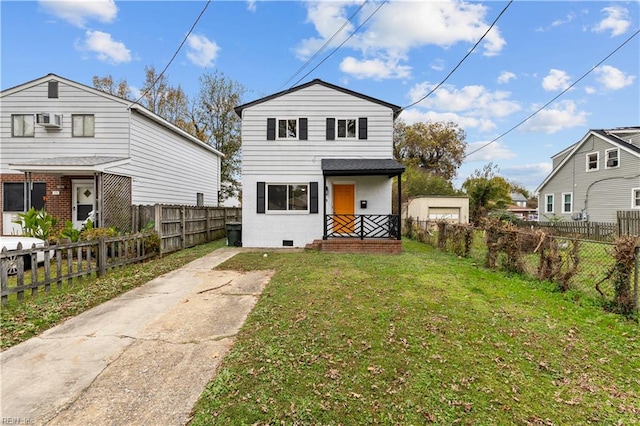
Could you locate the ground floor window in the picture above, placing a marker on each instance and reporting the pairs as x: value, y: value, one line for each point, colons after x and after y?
x: 635, y: 198
x: 287, y: 197
x: 13, y: 196
x: 548, y: 204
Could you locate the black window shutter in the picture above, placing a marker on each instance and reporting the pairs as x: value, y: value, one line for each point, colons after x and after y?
x: 53, y: 89
x: 261, y: 200
x: 331, y: 129
x: 303, y: 129
x: 362, y: 128
x: 313, y: 197
x: 271, y: 129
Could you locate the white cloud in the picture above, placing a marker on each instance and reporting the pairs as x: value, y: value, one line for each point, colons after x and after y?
x: 414, y: 115
x: 437, y: 65
x: 505, y: 77
x: 79, y: 12
x: 105, y: 48
x: 251, y: 5
x: 612, y: 78
x: 202, y: 51
x: 527, y: 175
x: 617, y: 21
x: 570, y: 17
x: 398, y: 27
x: 473, y: 100
x: 556, y: 80
x: 374, y: 68
x: 487, y: 152
x: 551, y: 120
x: 589, y: 90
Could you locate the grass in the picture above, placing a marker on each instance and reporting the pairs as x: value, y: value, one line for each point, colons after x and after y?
x: 419, y: 338
x: 21, y: 320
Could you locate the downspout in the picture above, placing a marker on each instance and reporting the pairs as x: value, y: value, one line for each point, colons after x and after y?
x: 399, y: 198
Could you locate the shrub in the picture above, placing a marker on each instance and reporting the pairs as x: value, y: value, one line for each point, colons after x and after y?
x: 96, y: 233
x: 37, y: 223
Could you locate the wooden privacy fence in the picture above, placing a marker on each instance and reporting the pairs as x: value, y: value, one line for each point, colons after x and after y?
x: 628, y: 222
x: 179, y: 227
x: 593, y: 231
x: 66, y: 262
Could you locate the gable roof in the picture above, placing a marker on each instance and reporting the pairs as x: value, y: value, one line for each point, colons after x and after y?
x: 395, y: 108
x: 606, y: 136
x: 133, y: 106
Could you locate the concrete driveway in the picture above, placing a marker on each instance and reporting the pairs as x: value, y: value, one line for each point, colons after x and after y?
x: 142, y: 358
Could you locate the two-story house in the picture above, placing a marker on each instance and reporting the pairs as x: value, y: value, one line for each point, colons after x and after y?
x: 317, y: 165
x: 80, y: 152
x: 594, y: 178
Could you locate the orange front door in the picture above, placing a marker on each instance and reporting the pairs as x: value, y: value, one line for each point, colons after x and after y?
x: 343, y: 208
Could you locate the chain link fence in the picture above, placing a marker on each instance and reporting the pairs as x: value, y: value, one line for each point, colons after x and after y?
x: 591, y: 268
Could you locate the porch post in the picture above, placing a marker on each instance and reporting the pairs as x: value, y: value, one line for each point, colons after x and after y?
x: 27, y: 190
x: 324, y: 206
x: 399, y: 237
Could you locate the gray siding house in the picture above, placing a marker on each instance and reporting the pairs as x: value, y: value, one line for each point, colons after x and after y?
x: 73, y: 150
x: 594, y: 178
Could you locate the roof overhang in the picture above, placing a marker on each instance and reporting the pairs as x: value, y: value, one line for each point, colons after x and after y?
x: 70, y: 165
x: 361, y: 167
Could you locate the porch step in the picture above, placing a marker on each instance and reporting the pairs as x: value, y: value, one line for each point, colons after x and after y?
x: 354, y: 245
x: 315, y: 245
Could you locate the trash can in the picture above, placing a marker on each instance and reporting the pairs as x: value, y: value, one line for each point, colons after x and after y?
x: 234, y: 234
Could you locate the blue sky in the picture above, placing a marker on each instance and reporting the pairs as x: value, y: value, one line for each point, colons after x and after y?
x: 534, y: 52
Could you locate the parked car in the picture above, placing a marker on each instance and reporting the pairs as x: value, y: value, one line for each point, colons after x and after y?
x: 11, y: 243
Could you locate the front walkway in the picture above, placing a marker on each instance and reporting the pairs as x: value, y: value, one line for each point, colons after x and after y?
x: 142, y: 358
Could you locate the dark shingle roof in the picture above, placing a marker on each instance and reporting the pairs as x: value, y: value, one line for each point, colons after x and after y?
x: 361, y: 166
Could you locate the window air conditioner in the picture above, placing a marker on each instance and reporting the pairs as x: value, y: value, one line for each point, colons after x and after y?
x: 49, y: 120
x: 612, y: 163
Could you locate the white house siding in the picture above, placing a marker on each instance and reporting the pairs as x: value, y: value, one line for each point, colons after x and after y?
x: 271, y: 229
x: 299, y: 161
x: 111, y: 125
x: 168, y: 168
x: 599, y: 193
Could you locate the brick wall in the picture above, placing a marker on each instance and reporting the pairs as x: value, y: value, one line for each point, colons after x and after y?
x: 347, y: 245
x: 59, y: 206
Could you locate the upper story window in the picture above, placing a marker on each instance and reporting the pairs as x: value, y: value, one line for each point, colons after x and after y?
x: 567, y: 202
x: 612, y: 158
x: 548, y: 203
x: 286, y: 128
x: 22, y: 125
x: 593, y: 161
x: 83, y: 125
x: 287, y: 197
x: 346, y: 128
x: 635, y: 198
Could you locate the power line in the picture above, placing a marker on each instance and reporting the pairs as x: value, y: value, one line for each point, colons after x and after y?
x: 176, y: 53
x: 462, y: 60
x: 341, y: 44
x: 557, y: 96
x: 324, y: 46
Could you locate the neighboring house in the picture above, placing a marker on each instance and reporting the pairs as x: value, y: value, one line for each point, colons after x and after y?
x: 77, y: 151
x: 317, y: 163
x: 594, y: 178
x: 453, y: 209
x: 520, y: 209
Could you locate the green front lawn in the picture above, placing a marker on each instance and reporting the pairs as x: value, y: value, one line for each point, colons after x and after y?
x: 420, y: 338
